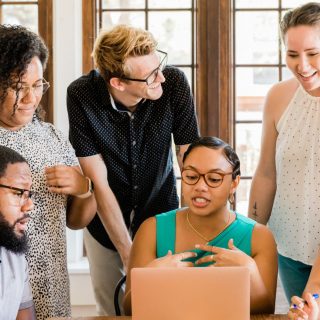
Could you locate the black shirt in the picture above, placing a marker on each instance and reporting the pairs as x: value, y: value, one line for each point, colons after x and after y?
x: 136, y: 148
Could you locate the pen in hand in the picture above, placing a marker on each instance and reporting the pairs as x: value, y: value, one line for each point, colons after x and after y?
x: 315, y: 295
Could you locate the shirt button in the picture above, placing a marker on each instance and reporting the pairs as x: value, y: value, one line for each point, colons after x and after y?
x: 134, y: 166
x: 135, y: 206
x: 134, y: 143
x: 135, y: 187
x: 132, y: 117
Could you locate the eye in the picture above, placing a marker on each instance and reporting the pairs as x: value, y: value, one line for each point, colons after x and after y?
x: 313, y: 54
x: 214, y: 178
x: 292, y: 55
x: 18, y: 193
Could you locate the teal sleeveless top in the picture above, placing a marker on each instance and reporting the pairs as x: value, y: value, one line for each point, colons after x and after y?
x: 240, y: 230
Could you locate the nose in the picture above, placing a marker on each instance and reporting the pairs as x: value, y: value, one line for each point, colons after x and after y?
x: 160, y: 77
x: 304, y: 64
x: 201, y: 184
x: 27, y: 205
x: 30, y: 96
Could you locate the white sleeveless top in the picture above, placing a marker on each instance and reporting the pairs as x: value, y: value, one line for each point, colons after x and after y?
x: 295, y: 218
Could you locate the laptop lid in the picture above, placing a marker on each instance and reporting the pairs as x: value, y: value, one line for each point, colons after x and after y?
x: 190, y: 293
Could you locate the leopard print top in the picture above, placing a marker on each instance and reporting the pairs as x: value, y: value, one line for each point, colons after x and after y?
x: 42, y: 145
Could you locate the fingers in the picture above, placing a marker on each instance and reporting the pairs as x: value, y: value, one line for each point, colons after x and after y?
x: 205, y: 247
x: 206, y: 259
x: 184, y: 255
x: 231, y: 245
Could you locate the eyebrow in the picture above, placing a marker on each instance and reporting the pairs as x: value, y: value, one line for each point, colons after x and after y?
x: 309, y: 49
x: 212, y: 170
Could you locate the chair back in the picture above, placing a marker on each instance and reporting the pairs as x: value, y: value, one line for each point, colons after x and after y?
x: 116, y: 295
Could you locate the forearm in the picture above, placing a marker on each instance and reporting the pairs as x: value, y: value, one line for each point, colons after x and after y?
x: 112, y: 219
x: 80, y: 212
x: 262, y: 194
x: 261, y: 301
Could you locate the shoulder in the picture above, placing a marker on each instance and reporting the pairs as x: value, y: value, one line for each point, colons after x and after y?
x: 280, y: 95
x: 147, y: 230
x: 173, y: 75
x: 51, y: 130
x: 85, y: 81
x: 262, y: 239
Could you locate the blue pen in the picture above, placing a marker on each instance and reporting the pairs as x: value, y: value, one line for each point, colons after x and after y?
x: 315, y: 295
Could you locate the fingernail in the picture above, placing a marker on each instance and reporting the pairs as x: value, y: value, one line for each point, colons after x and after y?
x: 197, y: 245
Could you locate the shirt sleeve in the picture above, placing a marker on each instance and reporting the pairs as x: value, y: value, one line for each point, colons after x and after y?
x: 185, y: 126
x: 26, y: 301
x: 80, y: 134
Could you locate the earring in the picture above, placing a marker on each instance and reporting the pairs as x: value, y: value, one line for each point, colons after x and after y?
x: 231, y: 198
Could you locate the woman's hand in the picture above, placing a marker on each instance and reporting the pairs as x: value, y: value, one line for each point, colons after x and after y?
x: 304, y: 309
x: 225, y: 257
x: 173, y: 260
x: 66, y: 180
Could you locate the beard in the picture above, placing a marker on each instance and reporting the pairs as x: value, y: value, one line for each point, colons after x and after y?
x: 9, y: 239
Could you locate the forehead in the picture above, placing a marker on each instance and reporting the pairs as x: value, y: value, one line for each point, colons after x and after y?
x: 206, y: 159
x: 143, y: 65
x: 34, y: 71
x: 17, y: 173
x: 302, y: 37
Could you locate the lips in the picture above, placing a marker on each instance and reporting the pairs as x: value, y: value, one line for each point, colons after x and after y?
x: 200, y: 202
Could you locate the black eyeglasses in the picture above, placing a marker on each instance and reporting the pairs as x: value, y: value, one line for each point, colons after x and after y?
x: 212, y: 179
x: 151, y: 78
x: 23, y: 194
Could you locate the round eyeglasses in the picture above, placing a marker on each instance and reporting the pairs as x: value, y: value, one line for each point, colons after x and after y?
x: 23, y: 195
x: 39, y: 88
x: 212, y: 179
x: 151, y: 78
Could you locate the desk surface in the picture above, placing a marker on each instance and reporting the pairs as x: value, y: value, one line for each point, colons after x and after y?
x: 254, y: 317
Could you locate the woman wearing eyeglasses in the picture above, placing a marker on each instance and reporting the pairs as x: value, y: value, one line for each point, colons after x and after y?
x: 54, y: 166
x: 207, y: 232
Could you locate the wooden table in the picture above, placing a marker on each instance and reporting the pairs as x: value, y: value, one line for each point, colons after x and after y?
x: 255, y: 317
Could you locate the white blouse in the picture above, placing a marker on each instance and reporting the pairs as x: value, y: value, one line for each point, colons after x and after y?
x: 295, y: 218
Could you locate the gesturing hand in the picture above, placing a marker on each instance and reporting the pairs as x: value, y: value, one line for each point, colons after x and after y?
x: 225, y: 257
x: 173, y: 260
x: 66, y: 180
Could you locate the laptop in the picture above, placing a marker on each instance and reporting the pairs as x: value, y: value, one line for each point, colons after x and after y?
x: 190, y: 293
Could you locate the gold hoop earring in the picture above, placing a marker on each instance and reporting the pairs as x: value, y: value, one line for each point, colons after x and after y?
x: 231, y: 198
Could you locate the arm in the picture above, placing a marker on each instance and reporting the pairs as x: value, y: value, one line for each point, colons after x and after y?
x: 108, y: 208
x: 69, y: 180
x: 262, y: 265
x: 143, y: 254
x: 263, y: 186
x: 26, y: 314
x: 180, y: 150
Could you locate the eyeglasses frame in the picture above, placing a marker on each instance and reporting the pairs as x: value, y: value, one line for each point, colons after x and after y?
x: 44, y: 81
x: 204, y: 177
x: 22, y: 192
x: 155, y: 70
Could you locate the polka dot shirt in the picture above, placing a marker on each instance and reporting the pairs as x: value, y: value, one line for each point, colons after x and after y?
x: 136, y: 148
x: 295, y: 218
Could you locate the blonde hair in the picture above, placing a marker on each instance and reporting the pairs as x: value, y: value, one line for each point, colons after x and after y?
x: 307, y: 14
x: 114, y: 46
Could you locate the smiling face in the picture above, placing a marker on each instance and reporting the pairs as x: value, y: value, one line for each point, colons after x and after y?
x: 141, y: 67
x: 200, y: 198
x: 13, y: 210
x: 303, y: 56
x: 27, y: 105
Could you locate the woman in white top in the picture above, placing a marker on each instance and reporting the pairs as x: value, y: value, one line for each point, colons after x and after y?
x: 286, y: 184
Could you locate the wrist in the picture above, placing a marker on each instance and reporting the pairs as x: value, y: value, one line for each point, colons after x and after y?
x: 89, y: 192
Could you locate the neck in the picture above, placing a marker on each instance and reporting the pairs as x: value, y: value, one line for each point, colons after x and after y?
x: 130, y: 102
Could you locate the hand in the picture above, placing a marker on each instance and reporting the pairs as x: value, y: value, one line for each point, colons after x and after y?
x: 304, y: 309
x: 66, y: 180
x: 225, y: 257
x: 173, y: 260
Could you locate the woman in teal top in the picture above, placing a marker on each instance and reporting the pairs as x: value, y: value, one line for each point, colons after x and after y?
x: 207, y: 232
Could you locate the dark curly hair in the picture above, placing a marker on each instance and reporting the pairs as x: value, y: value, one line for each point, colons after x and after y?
x: 216, y: 144
x: 18, y: 46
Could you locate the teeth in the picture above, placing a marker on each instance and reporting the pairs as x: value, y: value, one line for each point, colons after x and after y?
x: 202, y: 200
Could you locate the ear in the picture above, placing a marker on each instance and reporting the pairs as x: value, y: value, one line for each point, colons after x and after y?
x: 234, y: 184
x: 117, y: 84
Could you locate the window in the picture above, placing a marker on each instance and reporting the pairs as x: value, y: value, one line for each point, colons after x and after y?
x: 259, y: 63
x: 37, y: 16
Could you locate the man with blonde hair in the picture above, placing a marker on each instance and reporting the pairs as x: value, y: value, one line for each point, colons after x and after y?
x: 122, y: 117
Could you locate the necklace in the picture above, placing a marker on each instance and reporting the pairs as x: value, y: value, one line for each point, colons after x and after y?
x: 202, y: 236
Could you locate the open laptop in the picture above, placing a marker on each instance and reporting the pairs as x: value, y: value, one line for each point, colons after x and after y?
x: 190, y: 293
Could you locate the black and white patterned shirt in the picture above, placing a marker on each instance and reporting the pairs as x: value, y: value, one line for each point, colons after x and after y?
x: 136, y: 148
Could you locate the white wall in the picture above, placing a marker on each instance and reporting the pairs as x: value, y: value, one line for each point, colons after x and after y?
x: 67, y: 59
